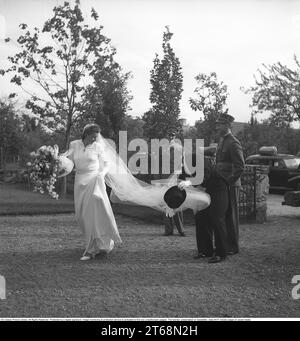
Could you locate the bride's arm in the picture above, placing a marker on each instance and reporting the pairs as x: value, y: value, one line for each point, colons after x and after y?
x: 103, y: 160
x: 69, y: 153
x: 105, y: 168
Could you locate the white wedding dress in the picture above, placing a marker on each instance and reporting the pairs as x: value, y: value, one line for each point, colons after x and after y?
x: 92, y: 207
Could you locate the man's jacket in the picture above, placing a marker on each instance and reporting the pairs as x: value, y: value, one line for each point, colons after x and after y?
x: 230, y: 160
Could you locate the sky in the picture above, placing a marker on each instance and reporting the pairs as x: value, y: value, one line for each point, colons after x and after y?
x: 230, y: 37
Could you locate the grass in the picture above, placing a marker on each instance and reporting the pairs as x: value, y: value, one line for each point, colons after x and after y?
x: 17, y: 199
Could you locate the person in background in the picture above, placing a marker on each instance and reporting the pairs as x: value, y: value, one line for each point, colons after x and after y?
x: 177, y: 219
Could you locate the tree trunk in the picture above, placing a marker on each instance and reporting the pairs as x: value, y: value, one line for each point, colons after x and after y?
x: 63, y: 184
x: 63, y: 187
x: 3, y: 158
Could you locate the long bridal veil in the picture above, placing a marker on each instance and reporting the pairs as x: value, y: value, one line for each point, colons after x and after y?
x: 128, y: 189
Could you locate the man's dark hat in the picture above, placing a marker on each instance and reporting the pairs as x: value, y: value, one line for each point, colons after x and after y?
x: 225, y: 118
x: 174, y: 197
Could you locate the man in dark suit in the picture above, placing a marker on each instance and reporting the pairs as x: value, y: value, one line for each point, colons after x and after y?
x: 230, y: 166
x: 211, y: 223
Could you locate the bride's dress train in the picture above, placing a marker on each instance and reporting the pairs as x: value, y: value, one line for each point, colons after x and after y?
x: 92, y: 206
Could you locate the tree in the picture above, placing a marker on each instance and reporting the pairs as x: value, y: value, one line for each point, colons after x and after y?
x: 166, y: 81
x: 34, y: 136
x: 255, y: 135
x: 210, y: 100
x: 73, y: 56
x: 277, y: 90
x: 10, y: 138
x: 60, y: 68
x: 107, y: 101
x: 134, y: 127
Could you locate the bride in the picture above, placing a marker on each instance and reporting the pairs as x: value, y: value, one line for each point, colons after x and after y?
x: 97, y: 163
x: 93, y: 211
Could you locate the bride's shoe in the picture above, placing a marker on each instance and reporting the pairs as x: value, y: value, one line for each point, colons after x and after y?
x: 87, y: 257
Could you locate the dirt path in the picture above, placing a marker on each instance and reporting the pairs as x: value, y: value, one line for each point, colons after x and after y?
x: 148, y: 275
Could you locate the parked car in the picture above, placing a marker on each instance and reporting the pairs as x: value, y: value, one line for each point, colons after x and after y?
x: 284, y: 170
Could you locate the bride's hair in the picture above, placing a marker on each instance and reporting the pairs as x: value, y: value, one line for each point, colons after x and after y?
x: 90, y: 129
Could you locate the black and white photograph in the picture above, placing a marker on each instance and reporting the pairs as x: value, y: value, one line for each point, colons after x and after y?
x: 150, y: 162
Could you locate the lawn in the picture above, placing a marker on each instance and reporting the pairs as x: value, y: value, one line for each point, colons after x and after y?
x: 148, y: 275
x: 18, y: 199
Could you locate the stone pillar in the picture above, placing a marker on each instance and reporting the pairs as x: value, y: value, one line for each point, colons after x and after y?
x: 262, y: 190
x: 253, y: 193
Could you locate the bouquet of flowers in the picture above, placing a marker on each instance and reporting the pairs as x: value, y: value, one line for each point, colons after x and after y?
x: 44, y: 169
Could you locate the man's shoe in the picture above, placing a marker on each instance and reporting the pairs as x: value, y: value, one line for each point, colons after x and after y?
x: 182, y: 234
x: 231, y: 253
x: 201, y: 255
x: 216, y: 259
